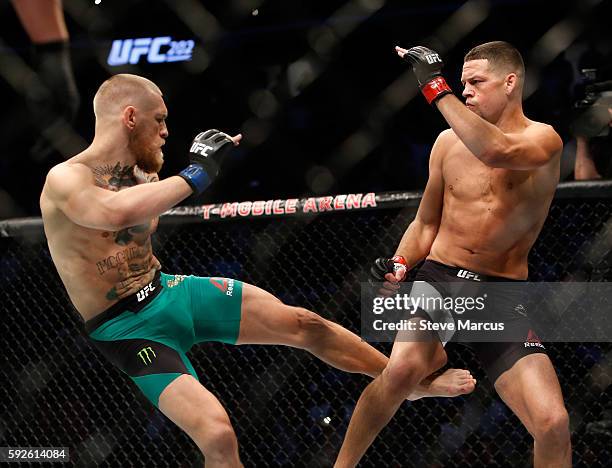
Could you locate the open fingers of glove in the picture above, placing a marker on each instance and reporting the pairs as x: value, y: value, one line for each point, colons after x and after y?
x: 411, y: 57
x: 422, y: 50
x: 219, y: 137
x: 235, y: 140
x: 208, y: 133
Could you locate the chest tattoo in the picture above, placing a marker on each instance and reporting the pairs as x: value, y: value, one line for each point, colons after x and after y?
x: 114, y: 177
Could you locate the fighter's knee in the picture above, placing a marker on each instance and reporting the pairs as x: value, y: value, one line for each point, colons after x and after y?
x: 552, y: 428
x: 400, y: 378
x: 220, y: 442
x: 311, y: 327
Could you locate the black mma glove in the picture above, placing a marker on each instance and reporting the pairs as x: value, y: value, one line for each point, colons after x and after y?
x: 206, y: 155
x: 382, y: 266
x: 427, y: 66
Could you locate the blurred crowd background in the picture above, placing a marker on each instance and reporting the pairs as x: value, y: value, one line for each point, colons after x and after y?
x: 323, y: 102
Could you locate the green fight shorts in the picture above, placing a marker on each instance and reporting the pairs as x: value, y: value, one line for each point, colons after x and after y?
x: 147, y: 334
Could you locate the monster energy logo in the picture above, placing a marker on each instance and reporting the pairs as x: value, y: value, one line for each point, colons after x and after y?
x: 144, y: 355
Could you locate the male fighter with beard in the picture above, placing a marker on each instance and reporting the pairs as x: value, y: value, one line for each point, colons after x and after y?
x: 99, y: 210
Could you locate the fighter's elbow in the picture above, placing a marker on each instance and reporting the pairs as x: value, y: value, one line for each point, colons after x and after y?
x: 113, y: 220
x: 511, y: 157
x: 495, y: 153
x: 498, y: 151
x: 117, y: 216
x: 489, y: 158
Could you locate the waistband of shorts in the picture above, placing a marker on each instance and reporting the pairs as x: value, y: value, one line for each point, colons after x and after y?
x: 127, y: 304
x: 454, y: 271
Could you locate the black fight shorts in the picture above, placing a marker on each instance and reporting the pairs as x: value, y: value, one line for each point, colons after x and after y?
x: 518, y: 338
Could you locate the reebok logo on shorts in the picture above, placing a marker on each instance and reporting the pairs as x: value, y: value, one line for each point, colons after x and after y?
x: 226, y: 286
x: 533, y: 341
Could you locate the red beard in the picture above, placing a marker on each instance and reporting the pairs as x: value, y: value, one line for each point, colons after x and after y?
x: 147, y: 158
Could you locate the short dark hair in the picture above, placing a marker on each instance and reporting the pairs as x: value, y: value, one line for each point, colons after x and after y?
x: 501, y: 55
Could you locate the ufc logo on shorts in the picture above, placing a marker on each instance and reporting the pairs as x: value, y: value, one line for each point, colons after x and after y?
x: 465, y: 274
x: 433, y: 58
x: 200, y: 148
x: 144, y: 292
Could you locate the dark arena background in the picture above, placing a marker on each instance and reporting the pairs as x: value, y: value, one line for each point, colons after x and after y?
x: 327, y: 110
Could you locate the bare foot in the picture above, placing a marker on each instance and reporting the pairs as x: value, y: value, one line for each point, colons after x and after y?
x: 450, y: 383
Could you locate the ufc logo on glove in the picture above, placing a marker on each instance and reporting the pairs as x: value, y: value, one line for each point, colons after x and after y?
x: 200, y: 148
x: 433, y: 58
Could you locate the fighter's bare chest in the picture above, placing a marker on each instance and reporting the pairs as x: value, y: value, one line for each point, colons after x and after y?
x: 118, y: 178
x: 133, y: 235
x: 466, y: 177
x: 127, y: 249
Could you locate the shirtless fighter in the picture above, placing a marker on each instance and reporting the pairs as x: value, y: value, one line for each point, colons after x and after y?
x: 99, y: 210
x: 492, y: 177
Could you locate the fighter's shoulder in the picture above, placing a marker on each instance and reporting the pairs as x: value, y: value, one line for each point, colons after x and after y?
x: 535, y: 126
x: 446, y: 137
x: 67, y: 176
x: 445, y: 140
x: 448, y: 134
x: 544, y: 133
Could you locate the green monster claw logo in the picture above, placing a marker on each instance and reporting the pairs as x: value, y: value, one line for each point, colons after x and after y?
x: 144, y: 355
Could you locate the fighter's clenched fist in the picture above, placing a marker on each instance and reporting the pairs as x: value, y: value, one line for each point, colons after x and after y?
x: 205, y: 156
x: 389, y: 271
x: 427, y: 66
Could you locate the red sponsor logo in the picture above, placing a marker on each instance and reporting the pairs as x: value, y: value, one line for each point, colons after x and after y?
x: 226, y: 286
x: 292, y: 205
x: 533, y: 340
